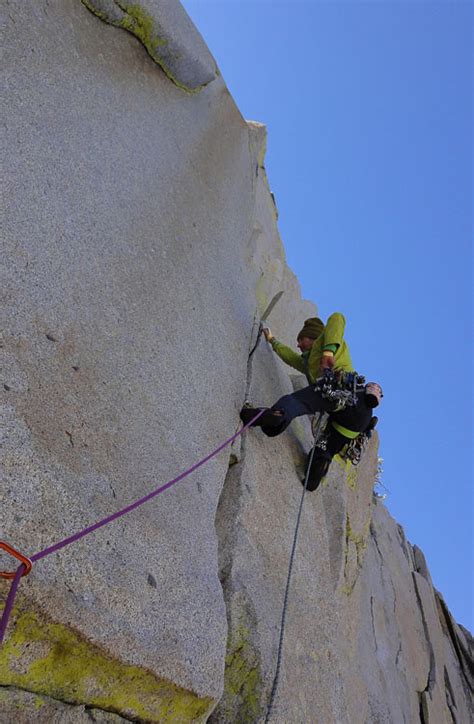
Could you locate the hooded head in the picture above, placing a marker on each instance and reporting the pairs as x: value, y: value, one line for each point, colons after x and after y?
x: 312, y: 328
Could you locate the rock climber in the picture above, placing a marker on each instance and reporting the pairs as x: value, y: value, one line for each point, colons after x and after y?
x: 334, y: 387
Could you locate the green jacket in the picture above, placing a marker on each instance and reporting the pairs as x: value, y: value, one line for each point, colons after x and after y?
x: 308, y: 362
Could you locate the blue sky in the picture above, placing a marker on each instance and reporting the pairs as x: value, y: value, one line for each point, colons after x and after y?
x: 370, y: 155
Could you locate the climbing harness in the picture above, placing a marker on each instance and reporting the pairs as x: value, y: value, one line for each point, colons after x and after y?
x: 356, y: 448
x: 341, y: 388
x: 318, y: 427
x: 26, y: 563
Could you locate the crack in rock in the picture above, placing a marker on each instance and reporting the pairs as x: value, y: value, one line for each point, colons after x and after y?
x: 45, y: 706
x: 373, y: 622
x: 463, y: 655
x: 427, y: 691
x: 382, y: 566
x: 450, y: 696
x: 397, y: 657
x: 242, y: 677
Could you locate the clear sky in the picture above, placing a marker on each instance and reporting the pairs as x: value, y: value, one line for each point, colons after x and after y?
x: 370, y: 156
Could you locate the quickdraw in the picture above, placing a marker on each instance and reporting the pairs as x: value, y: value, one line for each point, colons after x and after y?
x: 320, y: 429
x: 356, y: 448
x: 340, y: 387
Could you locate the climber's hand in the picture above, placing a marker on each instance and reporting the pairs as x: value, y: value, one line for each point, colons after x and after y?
x: 267, y: 334
x: 327, y: 361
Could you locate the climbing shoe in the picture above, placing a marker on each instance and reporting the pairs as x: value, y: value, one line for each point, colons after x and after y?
x: 269, y: 418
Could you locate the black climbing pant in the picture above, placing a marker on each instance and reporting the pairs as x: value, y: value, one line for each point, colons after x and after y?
x: 308, y: 401
x: 319, y: 468
x: 303, y: 402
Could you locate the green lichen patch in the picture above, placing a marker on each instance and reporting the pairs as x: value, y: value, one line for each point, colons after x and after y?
x: 243, y: 680
x: 261, y: 292
x: 359, y: 542
x: 233, y: 460
x: 351, y: 477
x: 140, y: 23
x: 54, y: 660
x: 349, y: 469
x: 99, y: 13
x: 359, y: 539
x: 39, y: 703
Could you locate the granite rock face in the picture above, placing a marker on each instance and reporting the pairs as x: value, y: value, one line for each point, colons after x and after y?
x: 140, y: 248
x: 168, y: 35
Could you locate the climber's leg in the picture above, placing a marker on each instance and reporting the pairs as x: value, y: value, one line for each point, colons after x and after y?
x: 330, y: 443
x: 303, y: 402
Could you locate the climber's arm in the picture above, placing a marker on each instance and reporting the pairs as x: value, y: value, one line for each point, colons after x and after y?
x: 334, y: 332
x: 289, y: 356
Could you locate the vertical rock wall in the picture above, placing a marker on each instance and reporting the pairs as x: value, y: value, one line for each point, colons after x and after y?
x: 140, y: 247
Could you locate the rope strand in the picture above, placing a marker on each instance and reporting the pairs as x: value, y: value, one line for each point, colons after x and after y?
x: 90, y: 529
x: 288, y: 580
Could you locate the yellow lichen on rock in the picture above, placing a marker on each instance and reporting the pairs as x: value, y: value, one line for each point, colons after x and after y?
x: 243, y: 678
x: 54, y: 660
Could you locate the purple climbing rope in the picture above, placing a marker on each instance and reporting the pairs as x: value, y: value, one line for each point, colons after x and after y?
x: 9, y: 602
x: 90, y: 529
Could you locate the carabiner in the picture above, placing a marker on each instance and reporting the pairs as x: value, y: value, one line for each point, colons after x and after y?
x: 19, y: 556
